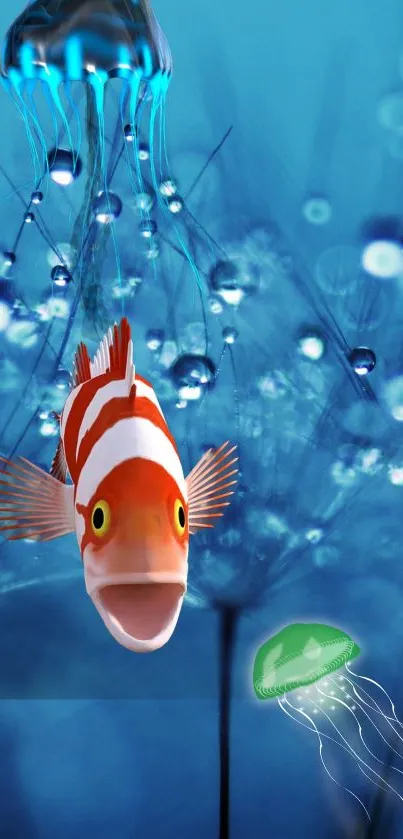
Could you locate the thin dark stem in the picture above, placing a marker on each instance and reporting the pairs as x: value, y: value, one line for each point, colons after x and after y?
x: 228, y: 619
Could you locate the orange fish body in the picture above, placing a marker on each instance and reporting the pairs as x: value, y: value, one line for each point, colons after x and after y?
x: 129, y: 503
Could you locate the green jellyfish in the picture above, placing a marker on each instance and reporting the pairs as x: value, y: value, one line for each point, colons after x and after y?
x: 300, y: 667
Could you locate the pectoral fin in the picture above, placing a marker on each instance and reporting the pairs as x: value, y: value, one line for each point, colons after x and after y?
x: 208, y: 484
x: 33, y: 503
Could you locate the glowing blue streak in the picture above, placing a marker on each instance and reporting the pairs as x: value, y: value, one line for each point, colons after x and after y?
x: 27, y: 61
x: 74, y: 60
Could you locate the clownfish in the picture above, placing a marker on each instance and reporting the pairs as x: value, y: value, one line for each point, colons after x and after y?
x: 129, y: 503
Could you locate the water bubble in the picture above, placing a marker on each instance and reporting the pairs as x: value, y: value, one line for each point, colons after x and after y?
x: 48, y: 425
x: 227, y: 282
x: 154, y: 339
x: 314, y: 535
x: 143, y: 202
x: 9, y: 259
x: 383, y: 258
x: 175, y: 204
x: 311, y: 344
x: 147, y: 228
x: 143, y: 151
x: 64, y: 166
x: 60, y: 275
x: 317, y: 210
x: 168, y: 188
x: 390, y: 111
x: 395, y: 474
x: 107, y: 207
x: 29, y: 218
x: 338, y: 268
x: 37, y: 197
x: 362, y: 360
x: 192, y: 375
x: 62, y: 379
x: 393, y: 395
x: 153, y: 248
x: 229, y: 334
x: 342, y: 473
x: 215, y: 305
x: 130, y: 135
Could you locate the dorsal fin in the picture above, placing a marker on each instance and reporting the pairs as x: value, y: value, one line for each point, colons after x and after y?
x: 59, y: 466
x: 81, y: 367
x: 115, y: 354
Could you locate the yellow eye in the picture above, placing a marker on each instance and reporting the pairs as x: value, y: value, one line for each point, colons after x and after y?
x: 100, y: 519
x: 180, y: 517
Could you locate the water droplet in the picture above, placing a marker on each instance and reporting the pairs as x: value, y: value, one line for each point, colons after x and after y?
x: 9, y: 259
x: 64, y: 166
x: 215, y: 305
x: 229, y: 334
x: 37, y: 197
x: 311, y: 344
x: 154, y: 339
x: 107, y: 207
x: 129, y: 133
x: 48, y: 425
x: 175, y: 204
x: 147, y: 228
x: 192, y: 375
x: 317, y: 210
x: 168, y: 188
x: 143, y: 202
x: 60, y: 275
x: 62, y: 380
x: 29, y: 218
x: 395, y: 474
x: 227, y: 282
x: 362, y: 360
x: 383, y: 259
x: 143, y: 151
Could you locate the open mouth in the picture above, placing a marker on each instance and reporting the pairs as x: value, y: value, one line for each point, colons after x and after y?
x: 143, y: 612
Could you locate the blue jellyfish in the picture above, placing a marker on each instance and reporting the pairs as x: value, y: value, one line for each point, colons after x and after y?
x: 49, y: 49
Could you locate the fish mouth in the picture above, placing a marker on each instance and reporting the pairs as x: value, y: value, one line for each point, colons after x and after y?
x: 140, y: 616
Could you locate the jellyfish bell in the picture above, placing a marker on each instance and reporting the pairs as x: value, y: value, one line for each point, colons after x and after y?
x: 82, y: 37
x: 298, y: 667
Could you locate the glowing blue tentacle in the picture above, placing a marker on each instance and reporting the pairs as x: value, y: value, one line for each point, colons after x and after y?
x: 16, y: 86
x: 54, y: 78
x: 154, y: 111
x: 30, y: 89
x: 69, y: 97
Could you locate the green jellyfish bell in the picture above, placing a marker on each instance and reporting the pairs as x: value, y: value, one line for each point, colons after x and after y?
x: 299, y: 655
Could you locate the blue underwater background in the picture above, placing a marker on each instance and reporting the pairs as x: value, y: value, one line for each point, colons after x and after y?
x: 284, y: 129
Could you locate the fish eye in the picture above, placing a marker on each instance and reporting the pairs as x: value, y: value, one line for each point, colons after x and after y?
x: 100, y: 518
x: 180, y: 517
